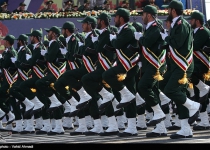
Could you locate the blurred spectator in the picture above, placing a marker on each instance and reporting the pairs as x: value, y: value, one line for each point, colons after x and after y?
x: 21, y: 8
x: 152, y: 2
x: 105, y: 6
x: 75, y: 8
x: 125, y: 4
x: 48, y: 7
x: 3, y: 8
x: 67, y: 6
x: 85, y: 6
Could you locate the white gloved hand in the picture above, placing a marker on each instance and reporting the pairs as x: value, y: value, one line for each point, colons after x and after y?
x: 63, y: 51
x: 80, y: 44
x: 111, y: 37
x: 43, y: 52
x: 94, y: 38
x: 0, y: 56
x: 164, y: 35
x: 138, y: 35
x: 28, y: 56
x: 139, y: 64
x: 13, y: 59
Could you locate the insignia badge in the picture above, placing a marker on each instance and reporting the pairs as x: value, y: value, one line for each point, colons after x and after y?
x: 180, y: 22
x: 154, y: 24
x: 73, y: 38
x: 201, y: 28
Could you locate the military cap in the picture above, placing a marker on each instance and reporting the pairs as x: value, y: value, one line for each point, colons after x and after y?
x: 10, y: 38
x: 23, y: 37
x: 175, y: 4
x: 104, y: 16
x: 22, y: 4
x: 87, y: 1
x: 4, y: 4
x: 88, y: 19
x: 150, y: 9
x: 54, y: 29
x: 122, y: 12
x: 37, y: 33
x: 46, y: 43
x: 49, y: 2
x: 138, y: 26
x: 68, y: 25
x: 196, y: 15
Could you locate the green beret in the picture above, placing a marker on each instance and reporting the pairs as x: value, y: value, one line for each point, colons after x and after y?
x: 104, y: 16
x: 150, y: 9
x: 88, y: 19
x: 54, y: 29
x: 138, y: 26
x: 115, y: 29
x: 196, y: 15
x: 68, y: 25
x: 10, y: 38
x: 46, y: 43
x: 122, y: 12
x: 23, y: 37
x: 175, y: 4
x: 37, y: 33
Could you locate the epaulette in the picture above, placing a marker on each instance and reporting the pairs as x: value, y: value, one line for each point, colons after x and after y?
x: 73, y: 38
x: 125, y: 27
x: 23, y: 49
x: 201, y: 28
x: 179, y: 22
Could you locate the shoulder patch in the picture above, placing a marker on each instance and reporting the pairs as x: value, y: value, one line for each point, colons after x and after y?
x: 73, y: 39
x: 37, y: 45
x: 154, y: 24
x: 125, y: 27
x: 179, y: 22
x: 23, y: 49
x: 201, y: 28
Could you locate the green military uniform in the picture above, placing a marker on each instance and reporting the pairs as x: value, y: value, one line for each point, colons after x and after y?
x: 9, y: 73
x: 4, y: 11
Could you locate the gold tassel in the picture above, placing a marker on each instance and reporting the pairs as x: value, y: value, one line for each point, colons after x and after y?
x: 52, y: 86
x: 206, y: 76
x: 33, y: 90
x: 121, y: 77
x: 67, y: 88
x: 157, y: 76
x: 184, y: 80
x: 190, y: 85
x: 105, y: 84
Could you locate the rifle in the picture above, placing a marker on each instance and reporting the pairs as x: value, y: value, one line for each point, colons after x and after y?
x: 159, y: 25
x: 79, y: 36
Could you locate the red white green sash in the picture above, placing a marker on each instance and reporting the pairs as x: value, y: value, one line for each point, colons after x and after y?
x: 104, y: 61
x: 88, y: 63
x: 73, y: 65
x: 38, y: 71
x: 10, y: 78
x: 127, y: 63
x: 57, y: 72
x: 182, y: 62
x: 23, y: 74
x: 205, y: 59
x: 156, y: 61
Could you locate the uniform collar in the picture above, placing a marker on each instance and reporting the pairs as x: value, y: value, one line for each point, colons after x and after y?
x: 196, y: 29
x: 68, y: 38
x: 35, y: 45
x: 51, y: 42
x: 120, y: 28
x: 20, y: 48
x: 102, y: 30
x: 87, y: 34
x: 149, y: 24
x: 174, y: 21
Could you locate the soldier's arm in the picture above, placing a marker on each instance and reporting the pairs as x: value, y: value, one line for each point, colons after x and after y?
x: 200, y: 40
x: 178, y: 39
x: 51, y: 56
x: 22, y: 59
x: 104, y: 40
x: 72, y: 48
x: 6, y: 62
x: 36, y: 55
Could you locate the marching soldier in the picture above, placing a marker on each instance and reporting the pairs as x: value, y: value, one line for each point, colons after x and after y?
x: 21, y: 8
x: 9, y: 75
x: 85, y: 6
x: 48, y: 7
x: 201, y: 70
x: 3, y: 8
x: 181, y: 51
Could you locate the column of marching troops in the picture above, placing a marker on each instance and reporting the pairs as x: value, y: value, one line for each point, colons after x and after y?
x: 109, y: 77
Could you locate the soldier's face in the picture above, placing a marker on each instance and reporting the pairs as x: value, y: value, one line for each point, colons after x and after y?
x: 85, y: 27
x: 117, y: 21
x: 22, y: 7
x: 64, y: 33
x: 6, y: 43
x: 32, y: 38
x: 49, y: 35
x: 98, y: 24
x: 193, y: 23
x: 144, y: 18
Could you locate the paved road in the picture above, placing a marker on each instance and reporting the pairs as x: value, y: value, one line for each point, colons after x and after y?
x: 199, y: 137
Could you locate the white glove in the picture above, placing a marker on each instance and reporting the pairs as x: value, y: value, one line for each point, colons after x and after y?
x: 0, y: 56
x: 43, y: 52
x: 94, y: 38
x: 63, y: 51
x: 139, y: 64
x: 28, y: 56
x: 138, y: 35
x: 164, y: 35
x: 13, y: 59
x: 80, y: 44
x: 111, y: 37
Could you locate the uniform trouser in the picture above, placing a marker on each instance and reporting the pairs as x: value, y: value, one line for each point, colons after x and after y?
x: 110, y: 77
x: 43, y: 85
x: 176, y: 91
x: 4, y: 95
x: 71, y: 78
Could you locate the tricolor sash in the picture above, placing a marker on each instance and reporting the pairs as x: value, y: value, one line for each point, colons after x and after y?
x: 57, y: 72
x: 205, y: 59
x: 73, y: 65
x: 88, y: 63
x: 38, y: 71
x: 10, y: 78
x: 127, y: 63
x: 23, y: 74
x: 104, y: 61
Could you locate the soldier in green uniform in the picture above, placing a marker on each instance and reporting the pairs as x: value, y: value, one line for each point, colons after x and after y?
x: 9, y: 76
x: 201, y: 70
x: 72, y: 78
x: 180, y: 42
x: 21, y: 8
x: 55, y: 69
x: 48, y: 7
x: 3, y: 8
x: 85, y: 6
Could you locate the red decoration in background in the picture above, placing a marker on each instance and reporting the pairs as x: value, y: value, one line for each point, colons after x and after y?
x: 54, y: 6
x: 3, y: 32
